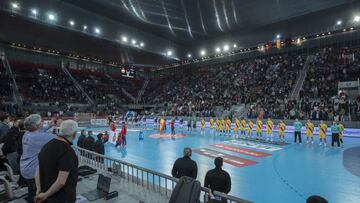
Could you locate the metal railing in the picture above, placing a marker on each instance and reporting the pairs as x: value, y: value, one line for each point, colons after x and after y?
x: 76, y: 84
x: 15, y: 90
x: 301, y: 78
x: 142, y: 90
x: 123, y: 90
x: 152, y: 180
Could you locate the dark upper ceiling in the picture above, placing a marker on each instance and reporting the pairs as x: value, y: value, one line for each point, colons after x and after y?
x: 179, y: 26
x: 187, y: 21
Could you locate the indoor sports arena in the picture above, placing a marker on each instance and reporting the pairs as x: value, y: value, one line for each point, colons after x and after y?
x: 179, y: 101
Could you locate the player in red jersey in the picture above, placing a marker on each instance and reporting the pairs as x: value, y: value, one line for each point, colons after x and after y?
x: 113, y: 127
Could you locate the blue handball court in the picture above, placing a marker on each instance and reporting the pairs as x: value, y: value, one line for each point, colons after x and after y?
x: 260, y: 172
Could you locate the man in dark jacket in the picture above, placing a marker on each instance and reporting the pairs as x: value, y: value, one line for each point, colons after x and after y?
x: 185, y: 166
x: 12, y: 141
x: 81, y: 140
x: 89, y: 141
x: 218, y: 180
x: 99, y: 147
x: 4, y: 125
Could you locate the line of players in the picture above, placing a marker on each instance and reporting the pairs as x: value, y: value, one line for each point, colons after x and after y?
x: 223, y: 127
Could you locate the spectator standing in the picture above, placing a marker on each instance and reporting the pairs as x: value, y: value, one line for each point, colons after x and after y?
x: 89, y: 141
x: 81, y: 140
x: 297, y: 133
x: 105, y: 137
x: 218, y: 180
x: 11, y: 143
x: 4, y: 125
x: 33, y: 140
x: 185, y: 166
x: 57, y: 173
x: 99, y: 146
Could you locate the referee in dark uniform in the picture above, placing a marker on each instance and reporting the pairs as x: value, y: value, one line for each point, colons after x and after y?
x: 218, y: 180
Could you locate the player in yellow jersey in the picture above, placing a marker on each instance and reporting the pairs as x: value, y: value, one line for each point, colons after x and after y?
x: 228, y: 126
x: 237, y: 126
x: 341, y: 128
x: 222, y: 126
x: 162, y: 125
x: 202, y: 125
x: 322, y: 132
x: 282, y: 127
x: 250, y: 129
x: 217, y: 125
x: 242, y: 127
x: 259, y: 124
x: 309, y: 132
x: 269, y: 130
x: 211, y: 124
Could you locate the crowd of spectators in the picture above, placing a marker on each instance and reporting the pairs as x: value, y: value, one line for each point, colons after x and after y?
x: 265, y: 83
x: 104, y: 89
x: 5, y: 85
x: 254, y: 80
x: 319, y: 98
x: 45, y: 83
x: 41, y: 156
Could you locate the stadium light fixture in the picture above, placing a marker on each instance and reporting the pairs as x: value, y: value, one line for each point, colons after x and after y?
x: 71, y: 22
x: 202, y: 52
x: 235, y: 45
x: 278, y: 36
x: 217, y: 49
x: 189, y: 55
x: 51, y: 17
x: 97, y: 30
x: 339, y: 22
x: 226, y: 47
x: 124, y: 39
x: 34, y: 11
x: 169, y: 53
x: 142, y: 44
x: 85, y: 27
x: 133, y: 41
x: 15, y: 5
x: 357, y: 18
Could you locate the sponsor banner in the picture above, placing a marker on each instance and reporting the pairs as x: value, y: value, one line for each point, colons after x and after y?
x: 230, y: 159
x: 348, y: 84
x: 240, y: 150
x: 167, y: 136
x: 254, y: 145
x: 99, y: 122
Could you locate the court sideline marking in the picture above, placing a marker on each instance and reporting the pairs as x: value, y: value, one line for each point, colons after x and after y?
x: 283, y: 179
